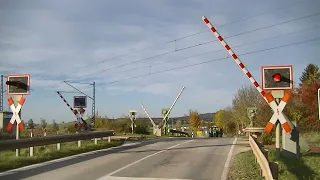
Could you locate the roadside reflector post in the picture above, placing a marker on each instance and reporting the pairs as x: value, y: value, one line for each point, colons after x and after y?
x: 31, y: 148
x: 58, y: 144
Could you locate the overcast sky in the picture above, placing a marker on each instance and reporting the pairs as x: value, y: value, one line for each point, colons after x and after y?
x: 78, y: 40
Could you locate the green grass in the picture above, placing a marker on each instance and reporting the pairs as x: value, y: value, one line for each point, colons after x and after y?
x: 308, y: 167
x: 244, y: 167
x: 313, y: 138
x: 8, y: 160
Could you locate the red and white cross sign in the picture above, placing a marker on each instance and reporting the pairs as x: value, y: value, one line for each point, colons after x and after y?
x: 277, y: 112
x: 15, y: 115
x: 79, y: 117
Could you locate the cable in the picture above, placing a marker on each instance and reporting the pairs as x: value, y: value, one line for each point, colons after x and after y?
x: 200, y: 44
x: 194, y: 34
x: 205, y: 62
x: 210, y: 52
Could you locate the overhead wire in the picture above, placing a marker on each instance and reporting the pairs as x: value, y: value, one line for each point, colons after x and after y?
x: 219, y: 50
x: 209, y: 61
x: 200, y: 44
x: 193, y: 34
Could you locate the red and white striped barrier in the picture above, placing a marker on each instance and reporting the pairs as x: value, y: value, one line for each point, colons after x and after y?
x: 74, y: 111
x: 267, y: 97
x: 15, y: 115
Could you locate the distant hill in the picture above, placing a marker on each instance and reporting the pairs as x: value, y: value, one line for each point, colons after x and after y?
x: 208, y: 117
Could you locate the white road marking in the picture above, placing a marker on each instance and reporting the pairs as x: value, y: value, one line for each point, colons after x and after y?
x: 63, y: 159
x: 227, y: 164
x: 135, y: 178
x: 131, y: 164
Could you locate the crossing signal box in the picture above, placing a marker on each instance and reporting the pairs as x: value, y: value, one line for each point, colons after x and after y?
x: 18, y: 84
x: 132, y: 113
x: 164, y: 111
x: 277, y: 77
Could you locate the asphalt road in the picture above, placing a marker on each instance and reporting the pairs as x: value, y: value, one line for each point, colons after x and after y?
x: 176, y: 158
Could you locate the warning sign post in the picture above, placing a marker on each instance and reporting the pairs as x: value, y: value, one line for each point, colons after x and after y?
x: 17, y: 86
x: 274, y: 78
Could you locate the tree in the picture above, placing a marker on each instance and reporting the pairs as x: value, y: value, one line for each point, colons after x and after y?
x: 218, y: 118
x: 43, y: 123
x: 30, y: 124
x: 178, y: 124
x: 307, y: 94
x: 310, y: 74
x: 247, y: 96
x: 55, y: 126
x: 194, y: 119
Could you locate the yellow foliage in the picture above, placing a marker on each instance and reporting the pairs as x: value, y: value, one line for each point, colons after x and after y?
x: 194, y: 119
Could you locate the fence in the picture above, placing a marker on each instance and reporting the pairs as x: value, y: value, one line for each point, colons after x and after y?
x: 269, y: 170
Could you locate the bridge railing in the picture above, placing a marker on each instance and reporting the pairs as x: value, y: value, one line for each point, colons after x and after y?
x: 269, y: 170
x: 31, y: 142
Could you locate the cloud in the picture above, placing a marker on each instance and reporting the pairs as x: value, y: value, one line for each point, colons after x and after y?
x: 101, y: 42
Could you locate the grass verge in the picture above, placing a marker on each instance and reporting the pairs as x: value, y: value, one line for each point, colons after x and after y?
x: 244, y: 167
x: 8, y: 160
x: 308, y: 167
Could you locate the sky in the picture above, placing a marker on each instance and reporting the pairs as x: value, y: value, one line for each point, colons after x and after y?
x: 110, y: 42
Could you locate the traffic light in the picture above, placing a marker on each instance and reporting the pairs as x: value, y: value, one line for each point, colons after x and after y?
x: 18, y: 84
x: 277, y: 77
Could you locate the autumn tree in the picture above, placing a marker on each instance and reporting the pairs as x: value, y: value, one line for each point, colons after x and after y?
x: 194, y: 119
x: 178, y: 124
x: 225, y: 119
x: 247, y: 96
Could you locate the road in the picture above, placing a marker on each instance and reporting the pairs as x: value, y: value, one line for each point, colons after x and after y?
x: 172, y: 158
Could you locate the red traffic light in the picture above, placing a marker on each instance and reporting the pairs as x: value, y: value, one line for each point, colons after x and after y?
x: 276, y: 77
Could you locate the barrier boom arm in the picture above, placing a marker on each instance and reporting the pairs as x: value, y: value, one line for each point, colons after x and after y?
x: 153, y: 124
x: 174, y: 102
x: 266, y: 96
x: 235, y: 57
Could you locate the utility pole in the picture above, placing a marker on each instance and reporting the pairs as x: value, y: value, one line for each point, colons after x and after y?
x: 93, y: 98
x: 93, y: 105
x: 1, y: 94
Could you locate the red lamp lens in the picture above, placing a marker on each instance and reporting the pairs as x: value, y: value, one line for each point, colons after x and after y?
x: 277, y: 77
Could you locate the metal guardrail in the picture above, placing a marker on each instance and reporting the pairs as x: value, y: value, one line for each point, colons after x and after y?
x: 262, y: 159
x: 30, y: 142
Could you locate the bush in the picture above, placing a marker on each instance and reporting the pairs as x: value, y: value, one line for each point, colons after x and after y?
x: 266, y: 139
x: 141, y: 129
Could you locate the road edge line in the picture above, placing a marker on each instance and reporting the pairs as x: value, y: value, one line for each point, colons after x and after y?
x: 227, y: 164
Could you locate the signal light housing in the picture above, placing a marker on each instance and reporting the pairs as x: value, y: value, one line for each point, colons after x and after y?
x: 277, y: 77
x: 18, y: 84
